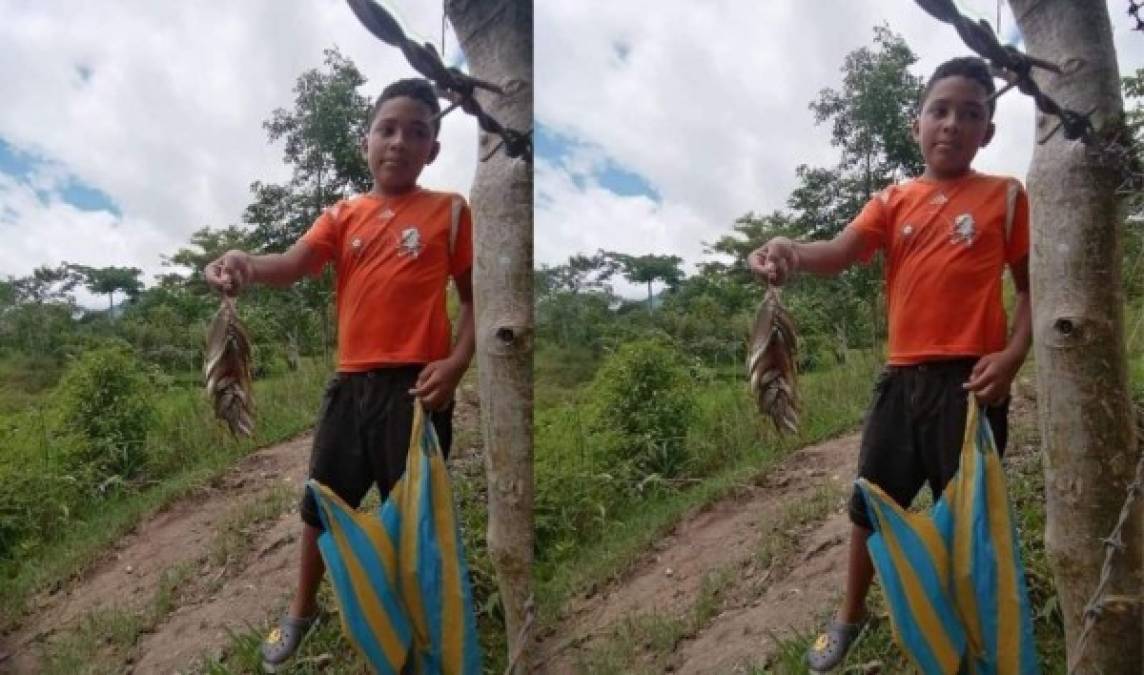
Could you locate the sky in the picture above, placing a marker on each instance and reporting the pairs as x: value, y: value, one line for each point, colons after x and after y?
x: 659, y: 122
x: 128, y: 125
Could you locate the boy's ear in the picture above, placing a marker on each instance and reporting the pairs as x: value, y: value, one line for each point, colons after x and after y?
x: 433, y: 153
x: 988, y: 134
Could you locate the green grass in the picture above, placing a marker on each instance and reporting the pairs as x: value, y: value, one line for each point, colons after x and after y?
x: 732, y: 444
x: 104, y: 638
x: 1025, y: 483
x: 654, y: 636
x: 781, y: 537
x: 24, y: 380
x: 233, y: 539
x: 187, y: 448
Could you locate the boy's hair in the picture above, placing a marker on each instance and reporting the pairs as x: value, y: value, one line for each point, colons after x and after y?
x: 970, y: 67
x: 416, y: 88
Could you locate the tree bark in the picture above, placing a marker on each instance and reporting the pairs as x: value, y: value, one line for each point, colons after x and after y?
x: 1086, y: 418
x: 496, y: 36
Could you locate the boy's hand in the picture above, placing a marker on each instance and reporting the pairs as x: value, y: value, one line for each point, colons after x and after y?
x: 992, y: 376
x: 774, y: 260
x: 230, y: 272
x: 436, y: 383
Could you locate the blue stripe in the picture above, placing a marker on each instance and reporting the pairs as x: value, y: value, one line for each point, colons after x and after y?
x: 984, y: 561
x: 343, y: 586
x: 429, y: 574
x: 892, y: 587
x: 918, y: 558
x: 362, y: 548
x: 352, y: 612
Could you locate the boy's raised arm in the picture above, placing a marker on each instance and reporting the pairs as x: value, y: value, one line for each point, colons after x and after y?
x: 776, y: 260
x: 235, y: 269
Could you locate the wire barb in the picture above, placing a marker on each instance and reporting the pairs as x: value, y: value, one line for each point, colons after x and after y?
x: 451, y: 83
x: 1113, y: 544
x: 979, y: 37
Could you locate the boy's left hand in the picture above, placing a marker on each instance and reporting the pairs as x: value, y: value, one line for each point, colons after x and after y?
x: 436, y: 383
x: 992, y: 376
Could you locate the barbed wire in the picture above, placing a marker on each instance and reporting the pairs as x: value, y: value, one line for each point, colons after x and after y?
x: 451, y: 83
x: 1113, y: 544
x: 979, y: 37
x: 1117, y: 151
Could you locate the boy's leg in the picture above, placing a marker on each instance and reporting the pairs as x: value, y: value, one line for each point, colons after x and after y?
x: 310, y: 571
x: 887, y: 459
x: 336, y: 461
x: 859, y: 576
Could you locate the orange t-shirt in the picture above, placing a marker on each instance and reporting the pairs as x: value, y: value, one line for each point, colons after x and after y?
x: 946, y: 249
x: 393, y: 258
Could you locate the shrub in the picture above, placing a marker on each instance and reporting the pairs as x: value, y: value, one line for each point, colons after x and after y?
x: 105, y: 405
x: 643, y: 403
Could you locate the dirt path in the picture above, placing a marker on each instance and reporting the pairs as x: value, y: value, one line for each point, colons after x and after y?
x: 712, y: 596
x: 220, y: 560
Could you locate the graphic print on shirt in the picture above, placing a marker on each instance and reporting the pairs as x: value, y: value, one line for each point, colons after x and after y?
x: 964, y: 230
x: 409, y: 243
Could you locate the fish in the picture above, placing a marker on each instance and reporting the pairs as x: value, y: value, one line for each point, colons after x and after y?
x: 771, y: 370
x: 227, y: 370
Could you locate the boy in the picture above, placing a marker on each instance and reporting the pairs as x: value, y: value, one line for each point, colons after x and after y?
x: 947, y: 237
x: 394, y: 250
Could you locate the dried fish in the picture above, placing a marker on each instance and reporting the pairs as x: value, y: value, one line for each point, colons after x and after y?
x: 227, y: 369
x: 771, y: 363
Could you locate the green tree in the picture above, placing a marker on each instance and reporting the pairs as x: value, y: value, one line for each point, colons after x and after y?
x: 645, y: 269
x: 108, y: 280
x: 870, y: 116
x: 322, y: 138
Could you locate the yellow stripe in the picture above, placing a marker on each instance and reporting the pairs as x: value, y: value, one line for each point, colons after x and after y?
x: 452, y: 613
x: 961, y: 504
x: 378, y: 621
x: 919, y: 604
x: 1008, y: 610
x: 411, y: 507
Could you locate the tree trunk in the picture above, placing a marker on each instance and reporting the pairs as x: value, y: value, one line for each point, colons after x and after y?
x: 1086, y: 419
x: 650, y: 308
x: 496, y: 36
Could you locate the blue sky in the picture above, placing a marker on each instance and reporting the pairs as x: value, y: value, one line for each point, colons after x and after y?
x: 127, y: 126
x: 660, y: 122
x: 29, y: 169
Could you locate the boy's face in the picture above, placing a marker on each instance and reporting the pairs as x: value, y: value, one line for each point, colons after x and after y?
x: 954, y: 123
x: 400, y: 143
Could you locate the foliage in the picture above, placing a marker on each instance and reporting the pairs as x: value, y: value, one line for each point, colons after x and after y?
x: 105, y: 402
x: 642, y: 406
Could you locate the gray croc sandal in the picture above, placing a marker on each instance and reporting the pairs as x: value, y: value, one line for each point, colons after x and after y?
x: 831, y: 647
x: 284, y: 640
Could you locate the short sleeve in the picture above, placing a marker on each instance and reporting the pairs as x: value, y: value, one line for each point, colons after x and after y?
x: 872, y: 225
x: 324, y: 236
x: 1017, y: 239
x: 461, y: 259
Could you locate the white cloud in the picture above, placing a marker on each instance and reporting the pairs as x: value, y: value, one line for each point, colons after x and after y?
x: 168, y: 121
x: 708, y: 101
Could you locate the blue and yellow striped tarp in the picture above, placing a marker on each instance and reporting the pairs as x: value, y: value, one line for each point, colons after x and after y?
x: 399, y: 573
x: 953, y: 577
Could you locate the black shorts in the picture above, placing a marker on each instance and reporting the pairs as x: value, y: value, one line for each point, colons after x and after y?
x: 914, y: 431
x: 363, y: 434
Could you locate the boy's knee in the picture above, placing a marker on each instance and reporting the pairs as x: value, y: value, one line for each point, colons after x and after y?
x: 857, y: 510
x: 308, y: 508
